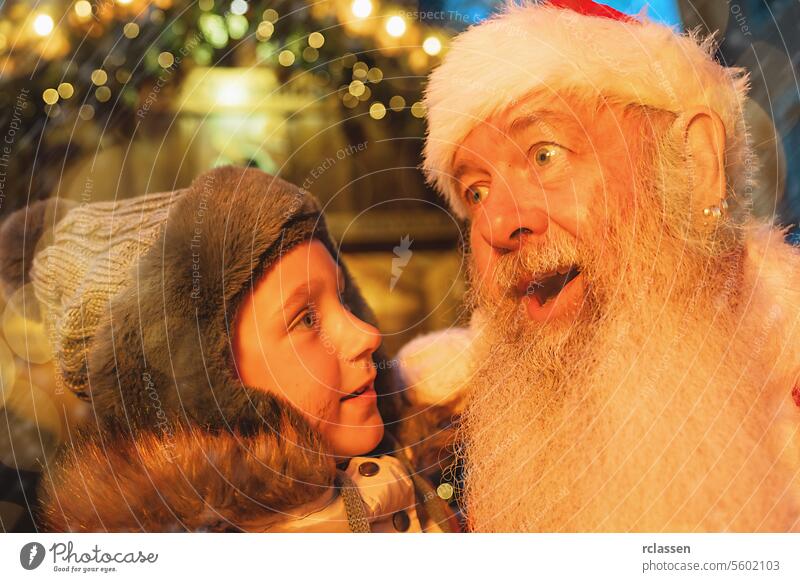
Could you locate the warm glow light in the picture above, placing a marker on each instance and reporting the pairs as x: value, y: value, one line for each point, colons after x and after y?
x: 432, y: 45
x: 239, y: 7
x: 99, y: 77
x: 396, y: 26
x: 361, y: 8
x: 232, y: 94
x: 43, y: 25
x: 123, y: 1
x: 377, y: 111
x: 83, y: 9
x: 50, y: 96
x: 286, y: 58
x: 315, y: 40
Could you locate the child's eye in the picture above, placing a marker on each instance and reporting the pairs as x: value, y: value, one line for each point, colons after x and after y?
x: 307, y: 320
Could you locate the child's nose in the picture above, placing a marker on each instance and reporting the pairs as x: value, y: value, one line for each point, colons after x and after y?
x: 362, y: 339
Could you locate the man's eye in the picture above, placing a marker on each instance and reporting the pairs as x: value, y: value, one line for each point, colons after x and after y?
x: 476, y: 194
x: 544, y: 154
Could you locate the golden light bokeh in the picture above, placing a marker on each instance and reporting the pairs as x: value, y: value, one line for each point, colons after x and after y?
x: 43, y: 24
x: 166, y: 59
x: 99, y: 77
x: 396, y: 26
x: 102, y: 94
x: 316, y: 40
x: 66, y: 90
x: 356, y: 88
x: 83, y: 9
x: 361, y: 8
x: 397, y: 103
x: 50, y: 96
x: 286, y: 58
x: 377, y: 110
x: 130, y: 30
x: 264, y: 30
x: 432, y: 45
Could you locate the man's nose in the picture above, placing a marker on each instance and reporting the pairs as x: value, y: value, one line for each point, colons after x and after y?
x: 508, y: 217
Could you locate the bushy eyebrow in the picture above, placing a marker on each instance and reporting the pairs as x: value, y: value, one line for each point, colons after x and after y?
x: 462, y: 168
x: 541, y: 117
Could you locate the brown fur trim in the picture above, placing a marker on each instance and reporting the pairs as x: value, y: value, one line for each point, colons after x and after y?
x: 190, y: 480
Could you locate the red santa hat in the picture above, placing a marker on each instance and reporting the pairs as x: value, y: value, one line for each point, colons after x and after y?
x: 585, y: 48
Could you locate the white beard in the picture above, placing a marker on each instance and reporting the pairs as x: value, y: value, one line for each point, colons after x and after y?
x: 655, y: 411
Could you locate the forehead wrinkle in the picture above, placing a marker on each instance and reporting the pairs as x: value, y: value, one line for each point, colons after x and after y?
x: 471, y: 159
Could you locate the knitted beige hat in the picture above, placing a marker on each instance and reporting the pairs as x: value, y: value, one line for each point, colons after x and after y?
x: 85, y: 264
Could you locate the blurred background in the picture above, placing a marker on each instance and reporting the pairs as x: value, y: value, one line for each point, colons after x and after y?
x: 108, y: 99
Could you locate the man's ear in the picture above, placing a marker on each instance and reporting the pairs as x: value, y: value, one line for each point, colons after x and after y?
x: 704, y: 144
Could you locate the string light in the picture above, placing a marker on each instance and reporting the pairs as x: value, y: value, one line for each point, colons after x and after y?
x: 286, y: 58
x: 43, y: 24
x: 66, y: 90
x: 349, y: 100
x: 418, y: 110
x: 166, y: 59
x: 264, y: 30
x: 397, y: 103
x: 83, y: 9
x: 377, y: 110
x: 356, y: 88
x: 238, y: 7
x: 86, y: 112
x: 99, y: 77
x: 361, y: 8
x: 50, y: 96
x: 360, y: 70
x: 396, y: 26
x: 432, y: 45
x: 130, y: 30
x: 316, y: 40
x: 103, y: 94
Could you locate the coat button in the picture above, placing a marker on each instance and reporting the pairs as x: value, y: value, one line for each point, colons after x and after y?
x: 368, y: 469
x: 401, y: 521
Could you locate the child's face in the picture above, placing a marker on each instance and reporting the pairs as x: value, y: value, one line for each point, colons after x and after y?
x: 294, y: 337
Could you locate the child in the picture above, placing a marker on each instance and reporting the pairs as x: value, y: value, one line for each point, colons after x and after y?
x: 235, y: 380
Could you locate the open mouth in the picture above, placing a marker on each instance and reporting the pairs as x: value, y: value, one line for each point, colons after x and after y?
x: 548, y: 285
x: 357, y: 393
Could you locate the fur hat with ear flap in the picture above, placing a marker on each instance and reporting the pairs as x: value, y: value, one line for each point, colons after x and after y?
x: 139, y: 295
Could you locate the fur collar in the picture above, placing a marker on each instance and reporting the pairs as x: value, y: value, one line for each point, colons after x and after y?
x: 189, y: 480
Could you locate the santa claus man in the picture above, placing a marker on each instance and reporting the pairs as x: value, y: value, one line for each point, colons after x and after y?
x: 635, y: 347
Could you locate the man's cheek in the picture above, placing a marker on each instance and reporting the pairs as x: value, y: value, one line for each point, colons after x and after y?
x: 482, y: 259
